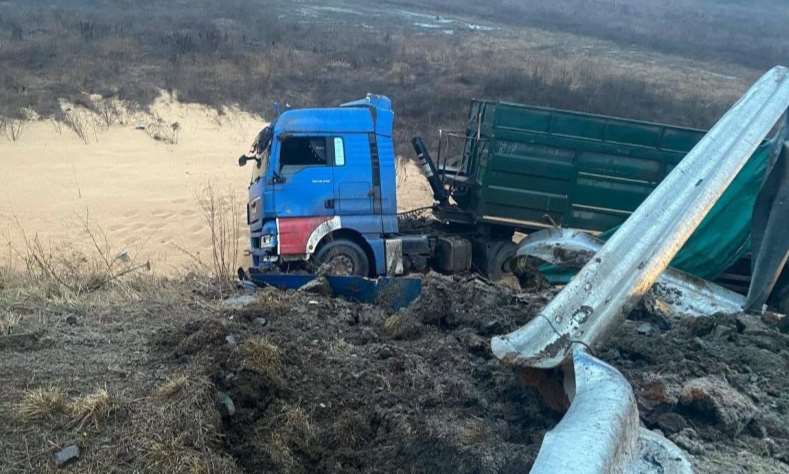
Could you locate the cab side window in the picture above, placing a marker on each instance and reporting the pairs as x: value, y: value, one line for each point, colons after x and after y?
x: 300, y: 152
x: 339, y: 151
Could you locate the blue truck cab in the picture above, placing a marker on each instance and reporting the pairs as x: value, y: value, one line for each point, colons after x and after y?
x: 324, y: 190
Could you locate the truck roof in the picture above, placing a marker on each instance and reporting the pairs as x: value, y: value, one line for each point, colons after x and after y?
x: 370, y: 114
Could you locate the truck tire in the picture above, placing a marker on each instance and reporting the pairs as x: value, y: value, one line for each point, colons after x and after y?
x: 344, y: 258
x: 492, y: 258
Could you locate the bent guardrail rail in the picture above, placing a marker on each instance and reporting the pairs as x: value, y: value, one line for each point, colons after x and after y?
x: 597, y: 433
x: 610, y: 284
x: 681, y: 292
x: 601, y: 430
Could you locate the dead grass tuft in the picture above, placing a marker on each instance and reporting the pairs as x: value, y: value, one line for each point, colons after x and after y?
x: 174, y: 455
x: 173, y: 387
x: 8, y: 323
x: 263, y: 357
x: 291, y: 432
x: 92, y: 408
x: 401, y: 326
x: 41, y: 404
x: 280, y: 453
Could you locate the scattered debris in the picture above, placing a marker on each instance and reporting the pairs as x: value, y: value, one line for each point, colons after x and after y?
x: 225, y: 405
x: 66, y: 455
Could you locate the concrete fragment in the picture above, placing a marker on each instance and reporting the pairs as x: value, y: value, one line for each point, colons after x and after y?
x: 231, y: 340
x: 239, y: 301
x: 66, y: 455
x: 713, y: 397
x: 645, y: 329
x: 261, y: 321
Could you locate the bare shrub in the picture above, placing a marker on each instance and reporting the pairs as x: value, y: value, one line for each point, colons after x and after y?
x: 69, y: 272
x: 160, y: 130
x: 110, y: 112
x: 222, y: 216
x: 12, y: 128
x: 78, y: 124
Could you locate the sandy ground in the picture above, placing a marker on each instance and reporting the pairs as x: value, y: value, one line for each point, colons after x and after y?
x: 142, y: 193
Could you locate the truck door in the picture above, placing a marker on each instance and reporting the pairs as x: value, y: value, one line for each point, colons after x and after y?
x: 357, y: 178
x: 303, y: 183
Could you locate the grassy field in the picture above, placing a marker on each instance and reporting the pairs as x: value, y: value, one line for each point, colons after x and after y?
x: 255, y: 53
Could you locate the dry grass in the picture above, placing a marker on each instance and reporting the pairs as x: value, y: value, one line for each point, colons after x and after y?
x: 174, y: 455
x: 339, y: 347
x: 92, y: 408
x: 41, y: 404
x: 264, y: 357
x: 173, y: 387
x: 161, y: 131
x: 430, y: 77
x: 12, y: 128
x: 64, y: 271
x: 401, y: 326
x: 79, y: 122
x: 180, y: 428
x: 9, y: 322
x: 291, y: 430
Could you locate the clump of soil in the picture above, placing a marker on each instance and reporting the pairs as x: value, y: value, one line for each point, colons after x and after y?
x: 320, y: 384
x: 717, y: 386
x: 325, y: 385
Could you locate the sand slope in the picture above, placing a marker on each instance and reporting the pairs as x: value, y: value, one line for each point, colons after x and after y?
x: 140, y: 191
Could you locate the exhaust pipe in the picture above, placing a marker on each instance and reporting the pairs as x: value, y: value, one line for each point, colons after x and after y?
x: 429, y: 168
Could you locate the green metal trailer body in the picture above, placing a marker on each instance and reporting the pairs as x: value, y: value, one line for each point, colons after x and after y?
x: 531, y: 167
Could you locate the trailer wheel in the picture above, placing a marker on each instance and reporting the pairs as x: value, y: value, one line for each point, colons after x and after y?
x: 344, y: 258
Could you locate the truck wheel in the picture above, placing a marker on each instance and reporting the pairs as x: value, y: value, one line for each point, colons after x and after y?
x: 344, y: 258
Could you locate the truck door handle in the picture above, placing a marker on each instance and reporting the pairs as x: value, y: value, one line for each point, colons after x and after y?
x: 328, y: 204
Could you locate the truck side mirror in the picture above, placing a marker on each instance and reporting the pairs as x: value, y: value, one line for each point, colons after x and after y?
x: 242, y: 160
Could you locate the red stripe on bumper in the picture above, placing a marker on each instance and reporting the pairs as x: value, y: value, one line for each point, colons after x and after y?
x: 294, y: 233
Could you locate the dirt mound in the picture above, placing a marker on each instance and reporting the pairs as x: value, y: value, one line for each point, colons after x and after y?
x: 325, y: 385
x: 716, y: 386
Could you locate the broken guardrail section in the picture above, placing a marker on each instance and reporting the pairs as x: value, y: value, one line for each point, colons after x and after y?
x: 680, y: 292
x: 610, y: 284
x: 603, y: 411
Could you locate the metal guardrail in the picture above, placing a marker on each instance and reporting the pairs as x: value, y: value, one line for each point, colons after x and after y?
x: 680, y: 292
x: 614, y: 442
x: 597, y: 433
x: 608, y: 287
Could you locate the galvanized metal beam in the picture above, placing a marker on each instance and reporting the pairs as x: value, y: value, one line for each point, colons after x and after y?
x: 608, y: 287
x: 601, y: 432
x: 680, y: 292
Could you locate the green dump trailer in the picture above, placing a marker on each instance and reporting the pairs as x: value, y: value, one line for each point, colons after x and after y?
x: 525, y: 168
